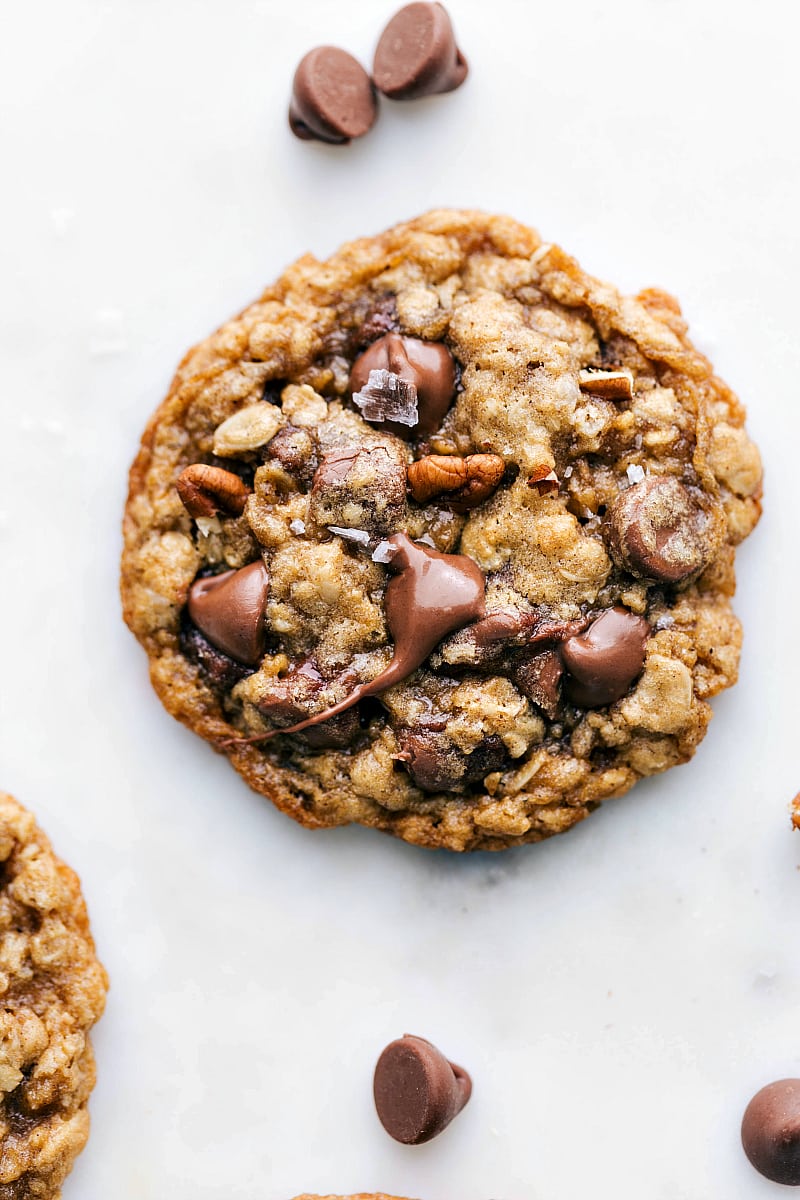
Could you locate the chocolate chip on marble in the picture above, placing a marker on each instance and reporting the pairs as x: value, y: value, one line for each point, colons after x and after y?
x: 427, y: 367
x: 604, y: 661
x: 771, y: 1131
x: 333, y: 97
x: 417, y: 1091
x: 658, y: 530
x: 230, y: 609
x: 417, y: 54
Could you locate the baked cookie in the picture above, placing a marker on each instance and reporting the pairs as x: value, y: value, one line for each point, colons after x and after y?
x: 53, y: 991
x: 360, y: 1196
x: 438, y: 536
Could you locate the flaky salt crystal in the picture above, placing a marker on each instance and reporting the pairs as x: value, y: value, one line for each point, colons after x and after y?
x: 426, y: 540
x: 384, y: 552
x: 297, y: 526
x: 360, y: 536
x: 635, y: 474
x: 387, y: 397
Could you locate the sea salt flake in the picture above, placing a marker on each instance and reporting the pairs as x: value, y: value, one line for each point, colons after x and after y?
x: 208, y: 525
x: 360, y: 536
x: 426, y: 540
x: 297, y: 526
x: 384, y: 552
x: 635, y: 473
x: 387, y: 397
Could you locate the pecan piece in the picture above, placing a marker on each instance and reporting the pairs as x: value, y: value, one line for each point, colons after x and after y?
x: 608, y: 385
x: 543, y: 481
x: 467, y: 482
x: 206, y: 491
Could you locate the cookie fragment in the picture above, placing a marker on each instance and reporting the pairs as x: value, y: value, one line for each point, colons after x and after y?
x: 54, y: 991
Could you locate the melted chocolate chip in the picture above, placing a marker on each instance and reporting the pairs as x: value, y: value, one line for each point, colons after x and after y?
x: 659, y: 530
x: 431, y: 595
x: 289, y: 700
x: 494, y: 640
x: 417, y: 1091
x: 604, y: 661
x: 539, y: 678
x: 221, y: 671
x: 417, y: 54
x: 771, y: 1131
x: 296, y: 450
x: 230, y: 609
x: 359, y: 488
x: 435, y: 764
x: 428, y: 367
x: 333, y: 98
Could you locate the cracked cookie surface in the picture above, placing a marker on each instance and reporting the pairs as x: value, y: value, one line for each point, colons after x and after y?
x: 53, y: 991
x: 446, y: 431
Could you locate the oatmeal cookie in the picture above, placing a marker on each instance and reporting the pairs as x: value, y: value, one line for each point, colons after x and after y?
x: 438, y: 537
x: 54, y: 990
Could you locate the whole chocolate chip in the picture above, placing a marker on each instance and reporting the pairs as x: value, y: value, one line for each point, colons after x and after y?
x: 230, y: 609
x: 417, y: 1091
x: 771, y: 1131
x: 333, y: 98
x: 417, y: 54
x: 658, y: 530
x: 604, y: 661
x: 428, y: 366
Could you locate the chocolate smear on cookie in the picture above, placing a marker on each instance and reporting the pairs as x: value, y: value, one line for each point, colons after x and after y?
x: 431, y: 595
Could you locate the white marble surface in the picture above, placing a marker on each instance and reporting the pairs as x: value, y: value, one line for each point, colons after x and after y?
x: 617, y: 993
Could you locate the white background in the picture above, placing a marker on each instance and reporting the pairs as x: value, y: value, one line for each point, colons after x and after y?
x: 618, y: 993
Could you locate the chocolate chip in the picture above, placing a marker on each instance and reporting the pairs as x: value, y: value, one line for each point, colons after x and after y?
x: 417, y: 54
x: 771, y: 1131
x: 539, y: 678
x: 333, y: 98
x: 435, y: 764
x: 431, y: 595
x: 604, y: 661
x: 230, y: 609
x: 220, y: 670
x: 296, y: 450
x: 361, y: 487
x: 417, y: 1091
x: 659, y: 530
x: 428, y: 367
x: 290, y: 699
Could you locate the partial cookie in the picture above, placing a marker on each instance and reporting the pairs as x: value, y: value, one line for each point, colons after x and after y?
x: 438, y: 537
x: 53, y: 991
